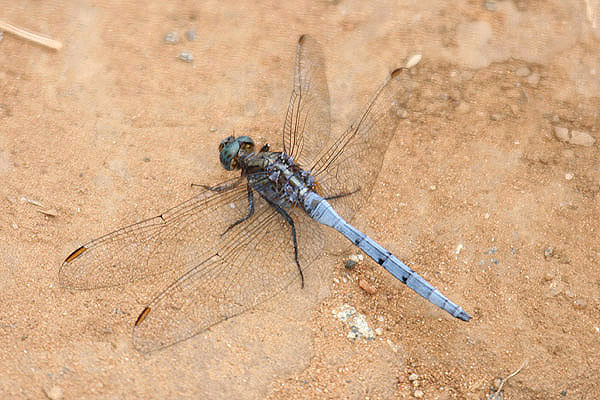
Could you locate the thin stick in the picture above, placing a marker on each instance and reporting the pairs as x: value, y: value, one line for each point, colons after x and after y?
x: 34, y: 37
x: 495, y: 396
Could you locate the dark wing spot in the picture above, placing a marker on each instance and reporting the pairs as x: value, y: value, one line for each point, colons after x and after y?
x: 397, y: 71
x: 75, y: 254
x: 142, y: 316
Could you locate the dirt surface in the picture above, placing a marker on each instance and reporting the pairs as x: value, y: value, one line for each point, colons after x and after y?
x: 478, y: 193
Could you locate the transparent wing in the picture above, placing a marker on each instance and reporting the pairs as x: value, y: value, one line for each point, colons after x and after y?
x: 254, y: 262
x: 228, y: 271
x: 167, y: 242
x: 307, y: 126
x: 350, y: 166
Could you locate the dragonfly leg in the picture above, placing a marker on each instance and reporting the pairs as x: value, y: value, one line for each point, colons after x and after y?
x: 250, y: 210
x: 219, y: 188
x: 290, y: 221
x: 337, y: 196
x: 266, y: 147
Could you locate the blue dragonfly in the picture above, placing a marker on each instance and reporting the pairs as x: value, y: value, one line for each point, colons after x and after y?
x: 241, y: 242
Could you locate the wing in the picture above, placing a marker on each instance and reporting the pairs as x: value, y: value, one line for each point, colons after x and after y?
x: 349, y: 167
x: 254, y: 262
x: 167, y: 242
x: 307, y: 126
x: 228, y: 270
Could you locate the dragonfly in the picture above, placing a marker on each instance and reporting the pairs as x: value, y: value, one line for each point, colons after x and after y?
x: 240, y: 242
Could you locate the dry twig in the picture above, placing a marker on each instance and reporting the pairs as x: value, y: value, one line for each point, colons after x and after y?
x: 34, y: 37
x: 495, y: 395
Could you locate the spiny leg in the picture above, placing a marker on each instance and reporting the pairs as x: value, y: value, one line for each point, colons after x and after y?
x: 250, y: 210
x: 220, y: 188
x: 290, y: 221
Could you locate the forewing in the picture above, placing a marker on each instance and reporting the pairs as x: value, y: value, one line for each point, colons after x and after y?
x: 350, y: 166
x: 307, y: 126
x: 171, y: 241
x: 253, y: 262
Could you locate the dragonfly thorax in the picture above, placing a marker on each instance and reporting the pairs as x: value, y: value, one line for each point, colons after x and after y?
x: 288, y: 178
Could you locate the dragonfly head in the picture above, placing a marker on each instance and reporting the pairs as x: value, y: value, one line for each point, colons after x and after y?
x: 231, y: 147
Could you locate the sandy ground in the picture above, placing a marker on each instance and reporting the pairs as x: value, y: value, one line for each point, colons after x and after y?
x: 477, y: 193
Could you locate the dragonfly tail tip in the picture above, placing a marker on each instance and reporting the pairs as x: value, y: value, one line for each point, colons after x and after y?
x: 463, y: 316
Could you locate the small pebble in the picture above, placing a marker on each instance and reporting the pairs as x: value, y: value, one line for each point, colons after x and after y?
x: 579, y: 304
x: 413, y: 60
x: 413, y: 377
x: 463, y: 107
x: 569, y: 176
x: 356, y: 257
x: 190, y: 35
x: 549, y: 276
x: 419, y: 394
x: 54, y: 393
x: 348, y: 26
x: 533, y: 79
x: 171, y: 38
x: 521, y: 5
x: 366, y: 286
x: 562, y: 133
x: 496, y: 117
x: 523, y: 71
x: 490, y: 6
x: 548, y: 252
x: 581, y: 138
x: 185, y: 56
x: 459, y: 248
x: 556, y: 290
x: 357, y: 322
x: 350, y: 264
x: 491, y: 250
x: 213, y: 129
x: 378, y: 331
x: 569, y: 294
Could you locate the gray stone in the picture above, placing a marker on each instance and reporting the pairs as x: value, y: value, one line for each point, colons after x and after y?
x: 187, y: 57
x: 171, y: 38
x: 190, y: 35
